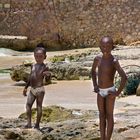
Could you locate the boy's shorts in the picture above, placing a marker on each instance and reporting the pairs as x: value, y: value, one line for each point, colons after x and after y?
x: 104, y: 92
x: 38, y: 90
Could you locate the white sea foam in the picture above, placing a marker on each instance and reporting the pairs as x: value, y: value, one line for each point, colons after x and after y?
x: 7, y: 52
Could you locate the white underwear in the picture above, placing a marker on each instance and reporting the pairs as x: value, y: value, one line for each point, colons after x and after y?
x: 104, y: 92
x: 37, y: 90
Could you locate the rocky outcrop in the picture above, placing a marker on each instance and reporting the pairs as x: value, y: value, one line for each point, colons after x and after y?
x: 78, y: 66
x: 80, y: 125
x: 67, y: 24
x: 73, y: 67
x: 61, y: 71
x: 57, y: 123
x: 138, y: 90
x: 21, y: 72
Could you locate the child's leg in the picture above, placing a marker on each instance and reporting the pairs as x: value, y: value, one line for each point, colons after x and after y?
x: 30, y: 101
x: 102, y: 115
x: 110, y: 100
x: 39, y: 101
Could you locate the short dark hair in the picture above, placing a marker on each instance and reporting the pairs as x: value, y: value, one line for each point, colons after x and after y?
x: 40, y: 46
x: 109, y: 39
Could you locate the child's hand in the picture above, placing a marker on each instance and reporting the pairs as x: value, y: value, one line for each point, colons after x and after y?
x: 113, y: 93
x: 24, y: 92
x: 47, y: 73
x: 96, y: 89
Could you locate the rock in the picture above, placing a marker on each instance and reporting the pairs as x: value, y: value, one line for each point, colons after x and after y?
x: 12, y: 135
x: 22, y: 72
x: 56, y: 114
x: 72, y: 71
x: 48, y: 137
x: 122, y: 129
x: 59, y: 70
x: 15, y: 44
x: 47, y: 129
x: 138, y: 90
x: 72, y: 128
x: 51, y: 114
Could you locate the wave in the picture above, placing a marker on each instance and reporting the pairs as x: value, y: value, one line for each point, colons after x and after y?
x: 8, y: 52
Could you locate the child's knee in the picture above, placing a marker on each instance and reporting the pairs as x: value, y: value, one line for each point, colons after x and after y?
x: 39, y: 107
x: 28, y: 105
x: 109, y: 116
x: 102, y: 114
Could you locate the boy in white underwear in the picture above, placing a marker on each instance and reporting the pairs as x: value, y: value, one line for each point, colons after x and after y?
x: 105, y: 91
x: 107, y: 66
x: 38, y: 72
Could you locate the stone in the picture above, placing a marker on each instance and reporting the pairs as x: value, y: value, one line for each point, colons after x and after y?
x: 13, y: 135
x: 138, y: 90
x: 65, y: 18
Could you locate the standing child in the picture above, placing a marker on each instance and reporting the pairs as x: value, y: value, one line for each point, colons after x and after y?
x: 106, y: 93
x: 37, y: 91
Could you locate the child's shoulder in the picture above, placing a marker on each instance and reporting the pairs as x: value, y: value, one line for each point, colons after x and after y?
x: 98, y: 57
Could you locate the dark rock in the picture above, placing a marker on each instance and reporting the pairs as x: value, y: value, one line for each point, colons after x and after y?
x: 47, y: 129
x: 13, y: 135
x: 122, y: 129
x: 48, y: 137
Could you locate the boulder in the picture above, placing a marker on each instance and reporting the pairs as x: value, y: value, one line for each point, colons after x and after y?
x: 138, y: 90
x: 51, y: 114
x: 59, y: 70
x: 22, y: 72
x: 69, y: 71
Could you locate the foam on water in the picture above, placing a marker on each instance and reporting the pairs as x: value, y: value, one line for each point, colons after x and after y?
x: 7, y: 52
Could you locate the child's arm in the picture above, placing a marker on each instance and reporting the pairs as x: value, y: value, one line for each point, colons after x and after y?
x: 25, y: 89
x: 122, y: 75
x: 47, y: 73
x: 93, y: 74
x: 27, y: 85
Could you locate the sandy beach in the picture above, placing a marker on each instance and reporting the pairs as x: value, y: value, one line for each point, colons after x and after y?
x: 69, y: 94
x: 75, y: 94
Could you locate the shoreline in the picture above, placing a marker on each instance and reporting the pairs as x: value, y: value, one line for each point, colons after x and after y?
x: 80, y: 97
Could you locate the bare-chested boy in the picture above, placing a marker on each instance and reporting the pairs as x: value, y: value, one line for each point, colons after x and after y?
x: 104, y: 87
x: 37, y: 91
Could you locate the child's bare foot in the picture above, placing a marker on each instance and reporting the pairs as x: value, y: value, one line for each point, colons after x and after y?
x: 37, y: 127
x: 27, y: 126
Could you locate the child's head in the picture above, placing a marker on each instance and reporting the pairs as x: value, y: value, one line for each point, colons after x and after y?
x: 40, y: 53
x: 106, y: 44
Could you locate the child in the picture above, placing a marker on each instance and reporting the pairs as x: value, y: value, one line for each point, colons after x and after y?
x: 38, y: 72
x: 106, y: 93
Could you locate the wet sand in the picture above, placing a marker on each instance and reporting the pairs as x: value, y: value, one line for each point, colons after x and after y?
x: 69, y: 94
x: 77, y: 94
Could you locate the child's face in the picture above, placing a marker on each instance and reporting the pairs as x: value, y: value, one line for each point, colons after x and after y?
x: 39, y: 56
x: 106, y: 46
